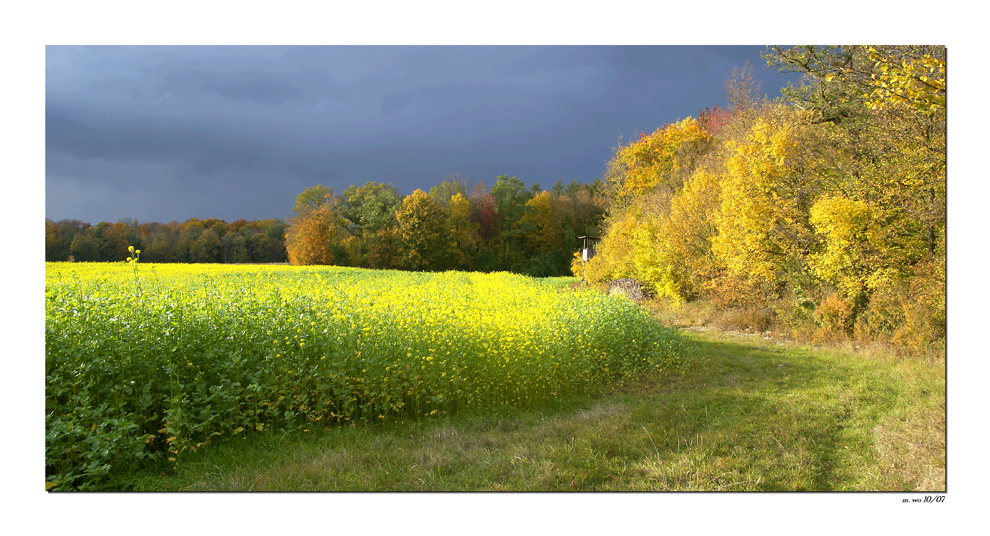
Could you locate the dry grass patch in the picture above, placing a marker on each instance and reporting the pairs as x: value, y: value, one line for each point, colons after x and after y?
x: 911, y: 451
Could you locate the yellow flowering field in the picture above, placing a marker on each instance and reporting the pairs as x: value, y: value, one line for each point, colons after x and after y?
x: 149, y: 361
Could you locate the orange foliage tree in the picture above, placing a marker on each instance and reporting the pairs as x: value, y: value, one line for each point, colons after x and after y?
x: 315, y: 234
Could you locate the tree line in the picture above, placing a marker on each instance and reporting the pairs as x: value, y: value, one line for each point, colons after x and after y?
x: 457, y: 225
x: 824, y: 207
x: 193, y: 241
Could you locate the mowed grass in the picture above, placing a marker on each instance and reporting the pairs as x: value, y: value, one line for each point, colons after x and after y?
x: 746, y: 414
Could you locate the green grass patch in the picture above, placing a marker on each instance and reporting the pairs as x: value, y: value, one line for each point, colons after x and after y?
x: 560, y: 282
x: 745, y: 415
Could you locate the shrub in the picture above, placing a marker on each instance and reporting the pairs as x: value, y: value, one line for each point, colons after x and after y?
x: 755, y: 319
x: 924, y: 307
x: 835, y: 316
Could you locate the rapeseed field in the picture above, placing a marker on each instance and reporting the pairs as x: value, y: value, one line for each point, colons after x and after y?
x: 148, y: 362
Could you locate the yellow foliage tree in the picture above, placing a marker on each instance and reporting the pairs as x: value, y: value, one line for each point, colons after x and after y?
x: 763, y: 232
x: 907, y: 76
x: 547, y: 223
x: 614, y: 256
x: 643, y: 176
x: 843, y: 225
x: 421, y: 232
x: 463, y: 232
x: 672, y: 252
x: 657, y: 158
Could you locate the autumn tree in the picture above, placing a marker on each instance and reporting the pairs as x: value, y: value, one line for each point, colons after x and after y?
x: 713, y: 120
x: 614, y: 258
x: 484, y: 212
x: 312, y: 197
x: 421, y: 227
x: 546, y: 223
x: 315, y: 234
x: 110, y: 241
x: 487, y: 222
x: 642, y: 178
x: 67, y: 229
x: 844, y: 81
x: 882, y: 226
x: 159, y: 247
x: 313, y: 237
x: 672, y: 251
x: 383, y: 249
x: 268, y: 244
x: 659, y: 160
x: 462, y: 232
x: 260, y: 241
x: 452, y: 185
x: 763, y: 229
x: 545, y: 235
x: 584, y: 209
x: 188, y: 234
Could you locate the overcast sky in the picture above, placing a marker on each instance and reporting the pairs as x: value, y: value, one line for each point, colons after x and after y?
x: 174, y: 132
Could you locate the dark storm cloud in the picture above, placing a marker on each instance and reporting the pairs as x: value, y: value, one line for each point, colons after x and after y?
x: 201, y: 148
x: 241, y: 130
x: 260, y: 91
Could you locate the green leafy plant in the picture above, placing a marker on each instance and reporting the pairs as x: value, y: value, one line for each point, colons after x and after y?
x: 204, y: 354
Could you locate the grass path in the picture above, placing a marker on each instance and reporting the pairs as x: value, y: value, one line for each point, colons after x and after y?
x: 747, y: 414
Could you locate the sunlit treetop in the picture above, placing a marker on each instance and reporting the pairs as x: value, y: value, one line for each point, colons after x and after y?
x: 650, y: 160
x: 844, y: 80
